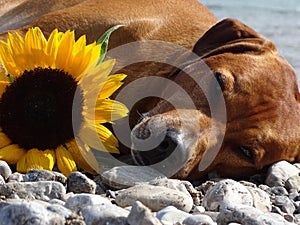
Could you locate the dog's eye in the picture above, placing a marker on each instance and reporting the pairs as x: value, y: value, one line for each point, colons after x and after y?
x: 221, y: 79
x: 247, y: 152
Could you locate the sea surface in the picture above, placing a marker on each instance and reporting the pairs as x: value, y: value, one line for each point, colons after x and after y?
x: 277, y: 20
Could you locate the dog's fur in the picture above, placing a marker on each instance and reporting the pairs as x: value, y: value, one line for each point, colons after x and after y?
x: 259, y: 86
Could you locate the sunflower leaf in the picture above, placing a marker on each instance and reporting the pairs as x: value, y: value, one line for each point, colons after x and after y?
x: 103, y: 40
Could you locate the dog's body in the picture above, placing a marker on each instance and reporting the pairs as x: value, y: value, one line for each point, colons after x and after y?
x: 259, y: 86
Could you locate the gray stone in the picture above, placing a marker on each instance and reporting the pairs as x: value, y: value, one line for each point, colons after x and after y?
x: 60, y: 210
x: 5, y: 170
x: 198, y: 220
x: 140, y: 214
x: 29, y: 213
x: 293, y: 183
x: 226, y: 192
x: 42, y: 190
x: 16, y: 177
x: 171, y: 215
x: 285, y: 204
x: 198, y: 209
x: 79, y: 183
x: 78, y: 201
x: 170, y: 183
x: 44, y: 175
x: 261, y: 199
x: 104, y: 214
x: 154, y: 197
x: 2, y: 181
x: 213, y: 215
x: 121, y: 177
x: 248, y: 215
x: 179, y: 185
x: 277, y: 191
x: 57, y: 201
x: 279, y: 172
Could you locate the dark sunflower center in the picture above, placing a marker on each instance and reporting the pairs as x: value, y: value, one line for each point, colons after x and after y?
x: 36, y: 109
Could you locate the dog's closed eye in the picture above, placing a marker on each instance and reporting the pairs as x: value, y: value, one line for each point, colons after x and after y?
x: 247, y: 153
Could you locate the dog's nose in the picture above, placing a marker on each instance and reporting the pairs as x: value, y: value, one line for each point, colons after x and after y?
x: 149, y: 148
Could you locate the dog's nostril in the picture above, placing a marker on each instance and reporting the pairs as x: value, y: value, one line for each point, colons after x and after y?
x: 159, y: 153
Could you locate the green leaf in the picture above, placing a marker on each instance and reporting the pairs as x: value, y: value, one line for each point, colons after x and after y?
x: 103, y: 40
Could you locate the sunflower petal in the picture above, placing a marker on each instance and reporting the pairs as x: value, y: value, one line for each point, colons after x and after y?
x: 64, y: 52
x: 111, y: 85
x: 36, y: 159
x: 99, y: 138
x: 65, y: 161
x: 106, y: 110
x: 12, y: 153
x: 83, y: 156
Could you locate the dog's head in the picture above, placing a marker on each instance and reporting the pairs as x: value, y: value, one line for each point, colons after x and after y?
x: 262, y: 109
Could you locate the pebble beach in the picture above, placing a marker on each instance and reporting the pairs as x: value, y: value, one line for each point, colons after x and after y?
x: 131, y: 195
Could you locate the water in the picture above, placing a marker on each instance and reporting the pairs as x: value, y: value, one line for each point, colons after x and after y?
x: 277, y: 20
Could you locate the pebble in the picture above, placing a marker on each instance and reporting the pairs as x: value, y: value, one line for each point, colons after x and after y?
x: 79, y: 183
x: 226, y: 192
x: 280, y: 172
x: 78, y: 201
x: 29, y: 213
x: 16, y: 177
x: 198, y: 220
x: 42, y: 190
x: 292, y: 184
x: 248, y: 215
x: 171, y: 183
x: 59, y: 209
x: 46, y: 197
x: 154, y: 197
x: 171, y: 215
x: 5, y: 170
x: 2, y: 181
x: 104, y: 214
x: 285, y: 204
x: 140, y: 214
x: 44, y: 175
x: 121, y: 177
x: 278, y: 190
x: 261, y: 199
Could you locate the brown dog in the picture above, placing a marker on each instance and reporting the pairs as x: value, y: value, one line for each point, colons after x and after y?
x: 259, y: 87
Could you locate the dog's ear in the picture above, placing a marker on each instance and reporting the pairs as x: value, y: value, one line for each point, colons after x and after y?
x: 226, y: 32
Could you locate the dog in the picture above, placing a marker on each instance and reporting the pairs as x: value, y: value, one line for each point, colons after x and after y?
x: 258, y: 87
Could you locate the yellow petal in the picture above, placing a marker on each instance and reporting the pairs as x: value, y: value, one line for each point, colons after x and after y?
x: 111, y: 85
x: 64, y: 51
x: 12, y: 153
x: 7, y: 59
x: 36, y: 159
x: 83, y: 156
x: 4, y: 140
x: 106, y: 111
x: 99, y: 137
x: 65, y: 161
x: 96, y: 74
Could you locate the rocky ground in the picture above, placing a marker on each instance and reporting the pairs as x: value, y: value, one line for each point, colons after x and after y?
x: 142, y: 196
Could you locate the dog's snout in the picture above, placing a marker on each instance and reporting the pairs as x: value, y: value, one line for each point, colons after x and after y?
x: 156, y: 148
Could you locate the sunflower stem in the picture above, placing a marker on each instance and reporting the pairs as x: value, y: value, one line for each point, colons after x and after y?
x: 103, y: 41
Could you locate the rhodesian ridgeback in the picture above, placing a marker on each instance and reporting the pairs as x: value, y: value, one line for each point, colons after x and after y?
x: 258, y: 87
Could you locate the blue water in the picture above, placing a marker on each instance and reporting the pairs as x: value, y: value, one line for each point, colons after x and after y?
x: 277, y: 20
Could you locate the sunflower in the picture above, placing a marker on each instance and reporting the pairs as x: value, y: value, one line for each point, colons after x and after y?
x: 41, y: 125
